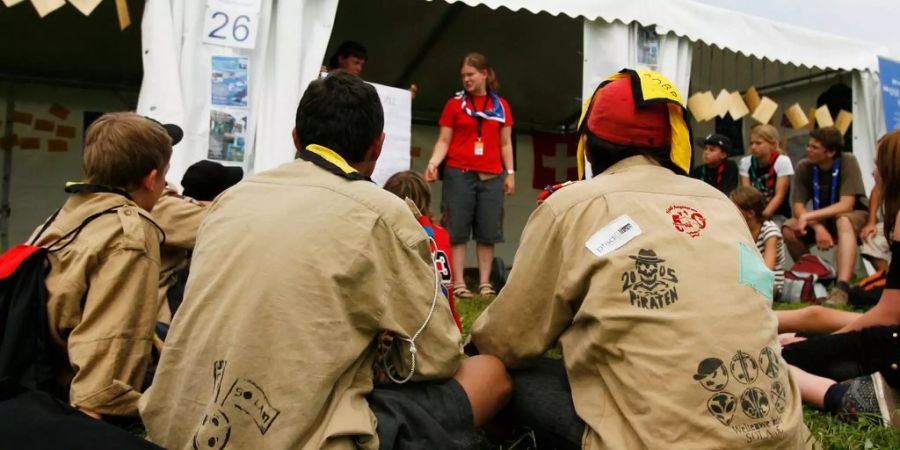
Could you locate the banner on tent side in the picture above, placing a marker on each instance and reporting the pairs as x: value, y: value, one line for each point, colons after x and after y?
x: 229, y: 109
x: 555, y: 159
x: 889, y: 71
x: 397, y: 105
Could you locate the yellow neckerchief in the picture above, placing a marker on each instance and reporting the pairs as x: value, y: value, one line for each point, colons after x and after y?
x: 649, y: 87
x: 331, y: 161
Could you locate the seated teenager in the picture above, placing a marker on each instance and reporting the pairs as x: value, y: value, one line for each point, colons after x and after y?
x: 297, y: 275
x: 104, y: 265
x: 768, y: 171
x: 608, y: 269
x: 768, y: 238
x: 832, y: 182
x: 717, y: 170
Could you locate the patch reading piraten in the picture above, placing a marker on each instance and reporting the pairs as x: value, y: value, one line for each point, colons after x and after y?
x: 687, y: 220
x: 651, y: 285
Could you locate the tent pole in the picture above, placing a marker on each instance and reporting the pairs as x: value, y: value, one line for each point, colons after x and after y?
x: 7, y: 167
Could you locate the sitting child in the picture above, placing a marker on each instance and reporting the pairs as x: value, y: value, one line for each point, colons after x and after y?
x: 768, y: 237
x: 717, y: 170
x: 410, y: 185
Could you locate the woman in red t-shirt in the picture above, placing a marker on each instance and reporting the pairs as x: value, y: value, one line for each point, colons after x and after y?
x: 475, y: 144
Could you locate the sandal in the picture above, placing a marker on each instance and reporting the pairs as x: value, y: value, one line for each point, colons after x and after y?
x: 486, y: 290
x: 461, y: 291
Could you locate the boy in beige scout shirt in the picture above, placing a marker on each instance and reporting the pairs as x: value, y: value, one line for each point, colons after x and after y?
x: 296, y: 276
x: 664, y: 347
x: 103, y: 279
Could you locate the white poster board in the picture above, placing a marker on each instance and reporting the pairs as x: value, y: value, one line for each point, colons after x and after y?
x: 394, y: 158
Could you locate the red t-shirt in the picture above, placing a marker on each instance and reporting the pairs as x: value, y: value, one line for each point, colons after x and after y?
x: 442, y: 260
x: 461, y: 153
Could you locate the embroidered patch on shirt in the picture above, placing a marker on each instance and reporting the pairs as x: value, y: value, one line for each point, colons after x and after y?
x: 687, y: 220
x: 753, y: 271
x: 613, y: 236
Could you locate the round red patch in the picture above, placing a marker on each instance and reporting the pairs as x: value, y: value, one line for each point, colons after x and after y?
x: 687, y: 220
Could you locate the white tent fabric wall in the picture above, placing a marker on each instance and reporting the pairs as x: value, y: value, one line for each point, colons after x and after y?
x: 868, y: 121
x: 170, y: 56
x: 610, y: 47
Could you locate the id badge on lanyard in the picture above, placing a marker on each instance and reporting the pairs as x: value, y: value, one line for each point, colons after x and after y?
x: 479, y: 147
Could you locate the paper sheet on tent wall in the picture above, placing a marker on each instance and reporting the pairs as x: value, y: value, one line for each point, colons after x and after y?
x: 85, y: 6
x: 45, y: 7
x: 811, y: 117
x: 702, y: 106
x: 842, y: 123
x: 752, y: 97
x: 796, y: 116
x: 395, y: 155
x: 823, y: 117
x: 765, y: 110
x: 723, y: 100
x: 736, y: 107
x: 9, y: 3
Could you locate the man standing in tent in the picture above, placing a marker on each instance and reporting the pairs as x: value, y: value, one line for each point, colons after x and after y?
x: 662, y: 349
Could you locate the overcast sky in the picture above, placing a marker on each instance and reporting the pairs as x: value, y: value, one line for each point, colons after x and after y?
x: 875, y: 21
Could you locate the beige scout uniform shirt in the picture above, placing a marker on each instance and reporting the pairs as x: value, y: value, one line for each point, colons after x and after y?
x: 102, y: 301
x: 180, y: 217
x: 295, y: 272
x: 667, y: 343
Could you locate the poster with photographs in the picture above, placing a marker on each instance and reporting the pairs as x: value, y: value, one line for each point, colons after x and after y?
x: 227, y: 135
x: 647, y: 48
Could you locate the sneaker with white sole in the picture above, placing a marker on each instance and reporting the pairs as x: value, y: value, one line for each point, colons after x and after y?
x: 871, y: 399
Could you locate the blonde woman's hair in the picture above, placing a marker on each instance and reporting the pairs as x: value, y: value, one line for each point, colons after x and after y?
x: 768, y: 133
x: 480, y: 62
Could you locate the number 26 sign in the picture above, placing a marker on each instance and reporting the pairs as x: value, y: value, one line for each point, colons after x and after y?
x: 231, y: 26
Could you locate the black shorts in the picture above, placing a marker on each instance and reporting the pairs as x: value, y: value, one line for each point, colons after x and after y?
x: 423, y: 416
x: 472, y: 207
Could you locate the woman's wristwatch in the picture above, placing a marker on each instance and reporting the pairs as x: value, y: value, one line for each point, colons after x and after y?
x: 510, y: 171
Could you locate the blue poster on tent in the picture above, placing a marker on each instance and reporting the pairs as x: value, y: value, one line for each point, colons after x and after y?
x: 889, y: 71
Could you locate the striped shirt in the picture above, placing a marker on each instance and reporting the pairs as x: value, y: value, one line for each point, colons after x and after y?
x: 770, y: 230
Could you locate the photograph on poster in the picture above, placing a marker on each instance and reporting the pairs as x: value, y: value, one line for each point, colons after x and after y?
x: 227, y: 135
x: 229, y: 81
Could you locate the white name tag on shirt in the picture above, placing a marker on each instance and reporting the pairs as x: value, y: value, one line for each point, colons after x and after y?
x: 613, y: 236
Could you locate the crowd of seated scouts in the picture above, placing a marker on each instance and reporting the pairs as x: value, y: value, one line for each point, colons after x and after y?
x: 309, y: 309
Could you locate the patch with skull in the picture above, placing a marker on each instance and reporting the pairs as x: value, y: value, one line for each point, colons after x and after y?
x: 722, y: 407
x: 651, y: 285
x: 213, y: 433
x: 712, y: 374
x: 744, y: 368
x: 755, y: 403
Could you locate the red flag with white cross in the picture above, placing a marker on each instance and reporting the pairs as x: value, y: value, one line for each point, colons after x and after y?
x: 554, y: 158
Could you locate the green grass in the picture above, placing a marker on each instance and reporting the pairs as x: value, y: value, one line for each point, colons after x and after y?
x: 831, y: 433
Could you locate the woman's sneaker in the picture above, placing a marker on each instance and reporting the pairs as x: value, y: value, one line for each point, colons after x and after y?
x: 871, y: 399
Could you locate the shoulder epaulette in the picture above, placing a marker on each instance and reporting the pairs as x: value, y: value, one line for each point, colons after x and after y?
x: 550, y: 189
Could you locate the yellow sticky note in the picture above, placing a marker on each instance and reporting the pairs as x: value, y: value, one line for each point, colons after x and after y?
x: 737, y: 108
x: 752, y: 98
x: 765, y: 110
x: 823, y: 117
x: 842, y: 123
x: 702, y: 106
x: 796, y: 116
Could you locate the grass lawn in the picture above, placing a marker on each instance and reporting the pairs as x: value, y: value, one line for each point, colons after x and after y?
x: 831, y: 433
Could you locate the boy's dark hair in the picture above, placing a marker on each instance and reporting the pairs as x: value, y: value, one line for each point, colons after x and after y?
x: 340, y: 112
x: 830, y: 138
x: 604, y: 154
x: 346, y: 49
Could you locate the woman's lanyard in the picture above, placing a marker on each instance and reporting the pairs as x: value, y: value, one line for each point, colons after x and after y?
x: 817, y: 185
x: 478, y: 119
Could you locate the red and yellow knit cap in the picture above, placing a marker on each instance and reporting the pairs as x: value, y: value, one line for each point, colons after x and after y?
x: 638, y: 108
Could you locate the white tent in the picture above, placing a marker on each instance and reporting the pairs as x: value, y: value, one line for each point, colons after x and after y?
x: 291, y: 46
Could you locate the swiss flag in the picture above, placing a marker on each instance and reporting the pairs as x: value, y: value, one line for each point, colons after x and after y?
x: 554, y: 159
